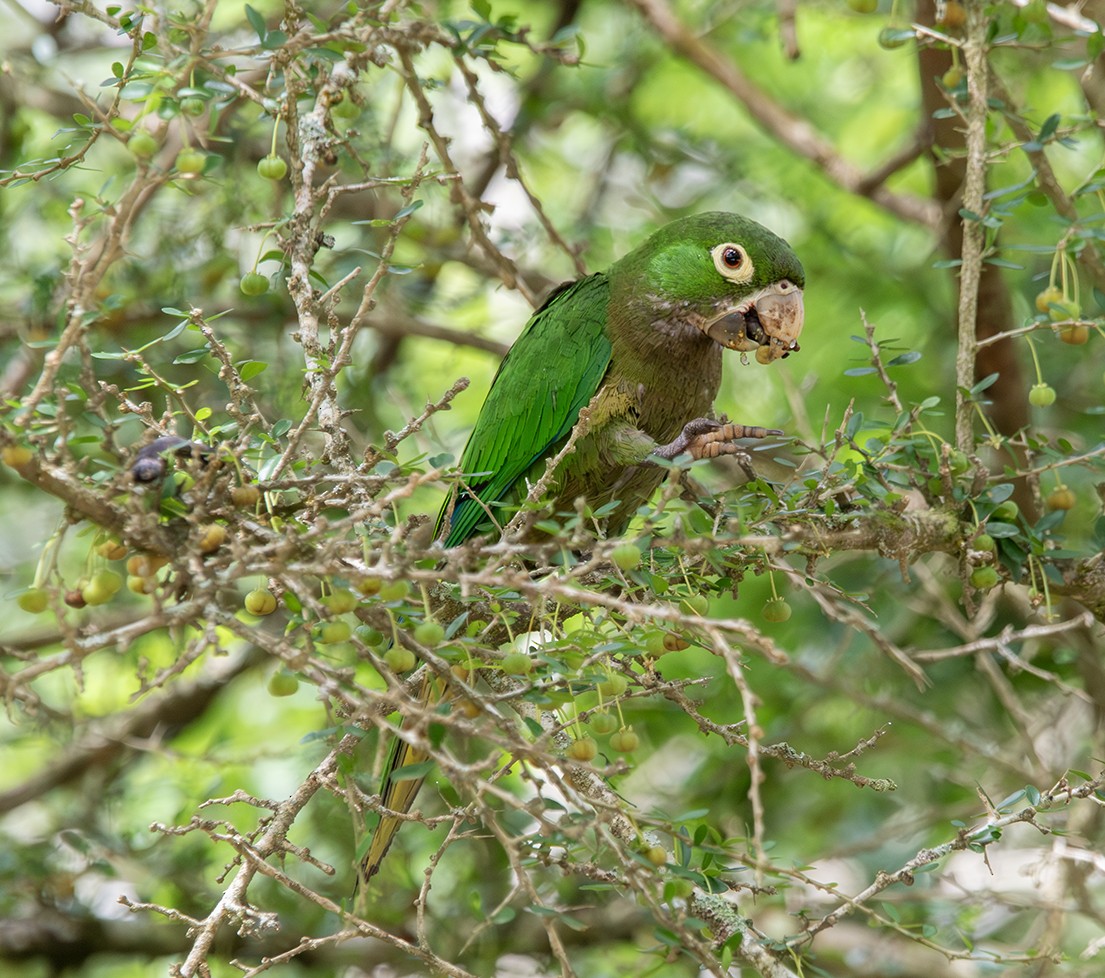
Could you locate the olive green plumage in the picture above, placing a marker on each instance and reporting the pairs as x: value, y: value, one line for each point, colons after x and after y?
x: 641, y: 344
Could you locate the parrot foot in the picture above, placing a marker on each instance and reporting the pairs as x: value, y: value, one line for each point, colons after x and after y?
x: 706, y: 438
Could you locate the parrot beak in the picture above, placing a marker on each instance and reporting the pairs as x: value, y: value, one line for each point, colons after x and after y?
x: 768, y: 322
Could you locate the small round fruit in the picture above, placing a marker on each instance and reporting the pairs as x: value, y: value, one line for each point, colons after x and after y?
x: 142, y: 145
x: 400, y: 659
x: 340, y: 601
x: 111, y: 550
x: 613, y: 685
x: 260, y: 602
x: 190, y: 160
x: 675, y: 643
x: 695, y: 604
x: 372, y: 637
x: 958, y: 461
x: 603, y: 724
x: 985, y: 543
x: 394, y: 590
x: 212, y: 536
x: 140, y: 584
x: 34, y: 601
x: 254, y: 283
x: 369, y: 586
x: 1061, y: 497
x: 517, y: 664
x: 626, y: 556
x: 1041, y: 395
x: 1045, y: 298
x: 654, y: 644
x: 864, y: 6
x: 282, y: 683
x: 955, y: 15
x: 334, y: 632
x: 657, y: 855
x: 145, y: 565
x: 584, y: 749
x: 16, y: 455
x: 625, y: 741
x: 891, y: 37
x: 1077, y: 334
x: 952, y: 78
x: 245, y: 497
x: 776, y: 610
x: 1006, y: 512
x: 75, y: 597
x: 1064, y: 309
x: 984, y: 578
x: 102, y: 587
x: 429, y: 633
x: 192, y: 105
x: 272, y: 168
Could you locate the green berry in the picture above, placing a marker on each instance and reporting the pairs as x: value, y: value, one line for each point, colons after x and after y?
x: 340, y: 601
x: 334, y: 632
x: 517, y: 664
x: 614, y: 685
x: 282, y: 683
x: 985, y: 543
x: 1006, y: 512
x: 34, y: 601
x: 1065, y: 308
x: 1061, y: 497
x: 394, y: 590
x: 260, y: 602
x: 657, y: 855
x: 190, y: 160
x: 272, y: 168
x: 984, y: 578
x: 604, y: 723
x: 429, y: 633
x: 372, y: 637
x: 695, y: 604
x: 625, y: 741
x: 893, y: 37
x: 1045, y: 298
x: 626, y: 556
x: 142, y: 144
x: 254, y: 283
x: 952, y: 77
x: 400, y: 659
x: 585, y: 749
x: 1041, y: 395
x: 192, y: 105
x: 776, y: 610
x: 102, y: 587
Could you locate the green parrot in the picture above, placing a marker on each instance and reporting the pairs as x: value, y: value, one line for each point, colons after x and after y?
x: 640, y: 343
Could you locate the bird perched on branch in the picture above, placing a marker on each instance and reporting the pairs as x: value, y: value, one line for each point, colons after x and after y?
x: 640, y: 347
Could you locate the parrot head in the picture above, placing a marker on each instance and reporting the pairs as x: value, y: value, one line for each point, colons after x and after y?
x: 729, y: 277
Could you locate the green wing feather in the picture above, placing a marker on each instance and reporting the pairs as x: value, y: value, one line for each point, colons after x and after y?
x: 551, y: 373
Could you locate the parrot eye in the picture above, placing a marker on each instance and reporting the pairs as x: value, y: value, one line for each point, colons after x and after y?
x: 732, y: 262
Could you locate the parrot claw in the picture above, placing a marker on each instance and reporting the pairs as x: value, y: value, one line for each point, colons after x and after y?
x: 706, y: 438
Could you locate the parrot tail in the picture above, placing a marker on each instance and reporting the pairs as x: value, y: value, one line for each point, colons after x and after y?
x: 397, y: 795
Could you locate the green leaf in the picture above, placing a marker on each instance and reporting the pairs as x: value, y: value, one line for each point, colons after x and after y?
x: 257, y: 22
x: 408, y: 210
x: 859, y: 371
x: 251, y: 368
x: 905, y: 358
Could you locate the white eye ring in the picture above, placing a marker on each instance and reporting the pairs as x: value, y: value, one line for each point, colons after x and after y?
x: 732, y: 262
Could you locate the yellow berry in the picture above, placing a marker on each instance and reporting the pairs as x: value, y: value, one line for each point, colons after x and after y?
x: 260, y: 602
